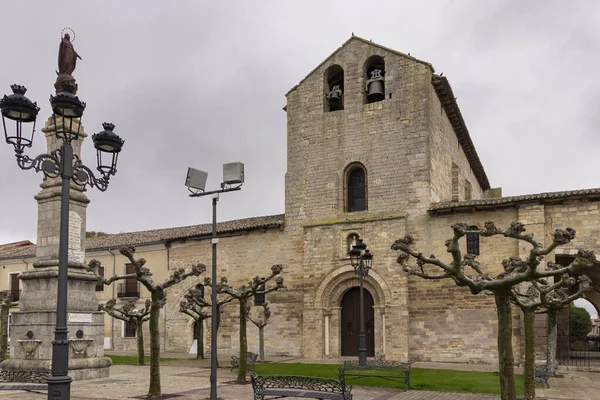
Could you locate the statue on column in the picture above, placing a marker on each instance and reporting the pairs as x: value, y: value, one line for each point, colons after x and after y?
x: 67, y: 61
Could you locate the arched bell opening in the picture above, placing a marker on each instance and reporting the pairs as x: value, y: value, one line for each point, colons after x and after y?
x: 374, y: 71
x: 333, y: 88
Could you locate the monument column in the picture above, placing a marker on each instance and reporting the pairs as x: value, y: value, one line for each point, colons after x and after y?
x: 33, y: 327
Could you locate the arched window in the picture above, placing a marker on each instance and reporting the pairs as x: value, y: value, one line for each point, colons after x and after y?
x: 356, y: 188
x: 374, y: 71
x: 333, y: 86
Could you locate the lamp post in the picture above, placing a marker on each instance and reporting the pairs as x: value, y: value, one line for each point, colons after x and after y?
x: 67, y: 112
x: 233, y: 178
x: 361, y: 260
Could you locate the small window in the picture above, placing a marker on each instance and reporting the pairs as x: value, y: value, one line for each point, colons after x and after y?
x: 200, y: 289
x: 259, y: 298
x: 468, y: 190
x: 454, y: 182
x: 334, y: 88
x: 100, y: 285
x: 473, y: 242
x: 14, y: 288
x: 374, y: 70
x: 128, y: 329
x: 356, y: 188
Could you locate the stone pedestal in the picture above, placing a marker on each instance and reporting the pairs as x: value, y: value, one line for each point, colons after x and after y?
x: 32, y: 328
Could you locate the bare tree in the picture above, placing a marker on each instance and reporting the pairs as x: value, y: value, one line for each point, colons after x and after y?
x: 193, y: 305
x: 158, y: 298
x: 516, y: 271
x: 5, y: 304
x: 242, y: 295
x: 542, y: 294
x: 261, y: 320
x: 130, y: 314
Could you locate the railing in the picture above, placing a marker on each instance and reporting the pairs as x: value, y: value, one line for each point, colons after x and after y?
x: 578, y: 351
x: 128, y: 290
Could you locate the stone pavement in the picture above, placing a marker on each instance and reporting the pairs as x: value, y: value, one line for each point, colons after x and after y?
x: 186, y: 380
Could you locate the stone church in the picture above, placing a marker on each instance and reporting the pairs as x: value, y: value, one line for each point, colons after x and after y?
x: 377, y: 148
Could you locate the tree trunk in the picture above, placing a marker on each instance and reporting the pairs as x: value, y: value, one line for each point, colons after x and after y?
x: 154, y: 390
x: 506, y: 367
x: 551, y: 333
x: 243, y: 368
x: 529, y: 369
x: 261, y: 344
x: 140, y: 342
x: 3, y: 331
x: 199, y: 339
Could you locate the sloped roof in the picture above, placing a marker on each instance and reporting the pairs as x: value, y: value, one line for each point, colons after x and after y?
x: 113, y: 241
x: 364, y: 41
x: 502, y: 202
x: 448, y: 100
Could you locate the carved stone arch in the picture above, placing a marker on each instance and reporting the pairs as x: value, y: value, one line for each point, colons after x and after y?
x: 336, y: 283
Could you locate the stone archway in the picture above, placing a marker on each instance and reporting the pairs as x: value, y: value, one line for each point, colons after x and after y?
x: 329, y: 298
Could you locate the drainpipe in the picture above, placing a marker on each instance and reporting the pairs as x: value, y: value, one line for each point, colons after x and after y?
x: 112, y: 287
x: 26, y: 264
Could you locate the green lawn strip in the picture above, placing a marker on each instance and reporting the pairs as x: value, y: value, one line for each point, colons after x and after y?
x: 131, y: 360
x: 440, y: 380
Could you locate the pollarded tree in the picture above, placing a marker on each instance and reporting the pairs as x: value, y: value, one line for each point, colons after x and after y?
x: 193, y: 305
x: 541, y: 294
x: 5, y: 304
x: 132, y: 315
x: 242, y: 295
x: 516, y: 271
x: 261, y: 320
x: 158, y: 297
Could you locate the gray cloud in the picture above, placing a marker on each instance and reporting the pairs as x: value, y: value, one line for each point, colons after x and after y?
x: 199, y: 84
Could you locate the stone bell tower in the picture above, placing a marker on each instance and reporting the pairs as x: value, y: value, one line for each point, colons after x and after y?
x: 33, y: 326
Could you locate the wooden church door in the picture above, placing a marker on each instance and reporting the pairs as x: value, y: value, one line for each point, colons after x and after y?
x: 351, y: 322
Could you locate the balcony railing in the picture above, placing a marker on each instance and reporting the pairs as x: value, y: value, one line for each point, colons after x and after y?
x: 128, y: 290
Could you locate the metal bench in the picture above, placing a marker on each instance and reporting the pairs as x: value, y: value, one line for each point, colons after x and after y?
x: 251, y: 357
x: 541, y: 374
x: 394, y: 371
x: 300, y: 386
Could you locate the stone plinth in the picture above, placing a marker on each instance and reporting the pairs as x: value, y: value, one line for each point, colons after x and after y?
x: 33, y: 325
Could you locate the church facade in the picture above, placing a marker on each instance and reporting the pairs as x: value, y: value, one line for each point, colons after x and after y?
x: 377, y: 148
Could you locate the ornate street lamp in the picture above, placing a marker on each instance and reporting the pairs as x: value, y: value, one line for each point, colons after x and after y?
x: 361, y: 260
x: 67, y: 112
x: 233, y: 179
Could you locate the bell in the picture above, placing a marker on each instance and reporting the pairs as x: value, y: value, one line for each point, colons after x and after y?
x: 334, y: 98
x: 375, y: 91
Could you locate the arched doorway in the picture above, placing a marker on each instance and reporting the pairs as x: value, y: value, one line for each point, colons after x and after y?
x: 350, y: 317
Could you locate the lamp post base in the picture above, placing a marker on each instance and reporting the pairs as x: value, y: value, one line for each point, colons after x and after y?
x: 59, y: 387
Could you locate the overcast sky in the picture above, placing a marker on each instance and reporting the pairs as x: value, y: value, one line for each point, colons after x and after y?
x: 202, y: 83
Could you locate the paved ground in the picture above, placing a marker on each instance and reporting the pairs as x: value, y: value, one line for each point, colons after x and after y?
x: 185, y: 380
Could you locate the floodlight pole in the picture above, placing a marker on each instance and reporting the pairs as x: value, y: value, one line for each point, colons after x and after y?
x: 213, y: 319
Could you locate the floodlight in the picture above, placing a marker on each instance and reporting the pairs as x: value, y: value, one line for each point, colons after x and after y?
x: 233, y: 173
x: 196, y: 179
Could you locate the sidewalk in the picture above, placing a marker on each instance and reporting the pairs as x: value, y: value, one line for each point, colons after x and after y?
x: 188, y: 379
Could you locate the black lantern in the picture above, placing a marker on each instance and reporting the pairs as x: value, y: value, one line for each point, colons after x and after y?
x: 360, y: 258
x: 17, y: 107
x: 355, y: 253
x: 67, y: 107
x: 108, y: 146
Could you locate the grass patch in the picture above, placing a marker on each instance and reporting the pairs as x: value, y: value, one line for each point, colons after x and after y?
x: 131, y: 360
x: 440, y: 380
